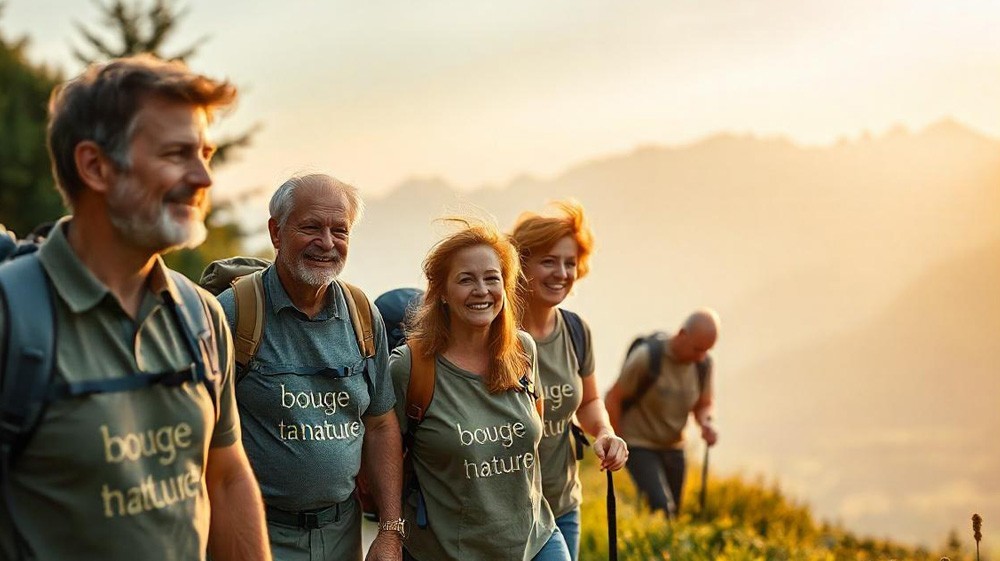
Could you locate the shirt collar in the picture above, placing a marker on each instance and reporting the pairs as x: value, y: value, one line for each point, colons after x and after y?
x: 76, y: 284
x: 280, y: 300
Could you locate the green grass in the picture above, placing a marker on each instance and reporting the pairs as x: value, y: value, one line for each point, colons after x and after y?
x: 743, y: 521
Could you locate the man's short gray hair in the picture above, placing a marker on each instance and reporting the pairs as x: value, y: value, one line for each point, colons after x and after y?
x: 283, y: 199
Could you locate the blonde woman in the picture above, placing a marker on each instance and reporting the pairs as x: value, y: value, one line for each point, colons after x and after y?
x: 555, y: 252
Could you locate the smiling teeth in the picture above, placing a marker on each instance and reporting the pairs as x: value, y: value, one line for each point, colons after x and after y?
x: 484, y: 306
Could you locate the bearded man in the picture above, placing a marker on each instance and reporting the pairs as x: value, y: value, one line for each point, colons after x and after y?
x: 310, y: 401
x: 128, y: 445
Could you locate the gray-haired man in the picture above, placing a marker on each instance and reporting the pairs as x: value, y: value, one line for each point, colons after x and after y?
x: 310, y: 403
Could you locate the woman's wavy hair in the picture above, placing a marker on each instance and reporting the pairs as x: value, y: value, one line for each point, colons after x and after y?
x: 429, y: 328
x: 536, y: 233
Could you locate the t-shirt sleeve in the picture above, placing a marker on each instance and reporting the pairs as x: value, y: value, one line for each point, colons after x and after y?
x: 227, y: 427
x: 382, y: 399
x: 399, y: 371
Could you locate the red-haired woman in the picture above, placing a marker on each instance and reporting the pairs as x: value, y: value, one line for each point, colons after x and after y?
x: 474, y: 454
x: 555, y: 252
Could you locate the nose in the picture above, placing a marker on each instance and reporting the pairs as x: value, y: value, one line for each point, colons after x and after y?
x: 200, y: 174
x: 325, y: 239
x: 479, y: 287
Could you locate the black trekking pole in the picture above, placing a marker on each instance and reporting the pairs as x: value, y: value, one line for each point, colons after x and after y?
x: 612, y: 520
x: 704, y: 482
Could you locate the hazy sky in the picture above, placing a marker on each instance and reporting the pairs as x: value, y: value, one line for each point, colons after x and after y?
x: 479, y: 92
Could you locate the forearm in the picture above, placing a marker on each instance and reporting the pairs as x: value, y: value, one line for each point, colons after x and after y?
x: 703, y: 414
x: 238, y: 531
x: 594, y: 419
x: 383, y: 466
x: 612, y: 404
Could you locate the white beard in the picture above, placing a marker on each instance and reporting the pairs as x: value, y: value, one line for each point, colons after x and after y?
x: 309, y: 276
x: 149, y: 227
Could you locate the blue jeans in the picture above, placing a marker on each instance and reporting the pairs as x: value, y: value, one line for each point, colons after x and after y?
x: 554, y: 549
x: 569, y: 525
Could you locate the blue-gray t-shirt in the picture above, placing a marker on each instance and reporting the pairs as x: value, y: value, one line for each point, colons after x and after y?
x: 304, y: 397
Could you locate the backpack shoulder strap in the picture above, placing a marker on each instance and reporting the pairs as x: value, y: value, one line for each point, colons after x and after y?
x: 577, y: 337
x: 29, y: 349
x: 196, y: 318
x: 28, y: 368
x: 420, y: 388
x: 361, y: 317
x: 530, y: 385
x: 654, y: 343
x: 704, y: 368
x: 248, y: 293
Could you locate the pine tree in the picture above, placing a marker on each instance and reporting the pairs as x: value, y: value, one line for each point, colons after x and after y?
x: 27, y: 193
x: 129, y: 28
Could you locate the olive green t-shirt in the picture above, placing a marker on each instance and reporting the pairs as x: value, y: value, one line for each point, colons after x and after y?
x: 562, y: 385
x: 657, y: 420
x: 119, y: 475
x: 475, y: 455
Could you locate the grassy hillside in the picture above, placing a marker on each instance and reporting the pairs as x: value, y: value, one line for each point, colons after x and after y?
x: 744, y: 520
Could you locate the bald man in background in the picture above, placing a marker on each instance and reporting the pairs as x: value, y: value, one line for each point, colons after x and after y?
x: 649, y: 407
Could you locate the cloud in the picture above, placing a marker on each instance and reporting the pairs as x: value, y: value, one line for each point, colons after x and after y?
x: 953, y: 494
x: 858, y: 505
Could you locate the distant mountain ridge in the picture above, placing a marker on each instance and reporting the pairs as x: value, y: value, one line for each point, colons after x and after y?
x: 836, y: 271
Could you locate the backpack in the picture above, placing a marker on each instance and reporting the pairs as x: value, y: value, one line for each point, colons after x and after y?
x: 655, y: 342
x: 246, y: 277
x: 29, y: 362
x: 395, y: 305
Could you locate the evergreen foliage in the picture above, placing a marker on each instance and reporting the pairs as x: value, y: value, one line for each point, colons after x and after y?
x: 27, y: 193
x: 135, y: 28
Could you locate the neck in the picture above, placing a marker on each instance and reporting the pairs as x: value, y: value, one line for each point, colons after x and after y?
x: 672, y: 349
x: 539, y: 320
x: 120, y: 266
x: 308, y: 299
x: 469, y: 349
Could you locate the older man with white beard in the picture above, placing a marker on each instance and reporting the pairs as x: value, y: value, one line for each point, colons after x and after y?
x: 132, y: 449
x: 310, y: 403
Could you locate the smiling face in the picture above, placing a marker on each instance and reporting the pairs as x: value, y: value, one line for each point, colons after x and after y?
x: 551, y: 273
x: 312, y: 244
x: 474, y: 289
x: 160, y: 201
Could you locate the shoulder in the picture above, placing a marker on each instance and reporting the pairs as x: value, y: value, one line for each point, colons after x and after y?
x: 640, y: 356
x: 227, y: 299
x: 574, y: 321
x: 399, y: 363
x: 527, y: 342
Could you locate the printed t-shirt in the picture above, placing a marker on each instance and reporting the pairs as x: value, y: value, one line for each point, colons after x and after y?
x: 475, y: 455
x: 119, y: 475
x: 304, y: 396
x: 562, y: 385
x: 657, y: 420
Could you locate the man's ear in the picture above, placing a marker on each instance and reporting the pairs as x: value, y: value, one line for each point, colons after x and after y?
x: 96, y: 170
x: 272, y: 228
